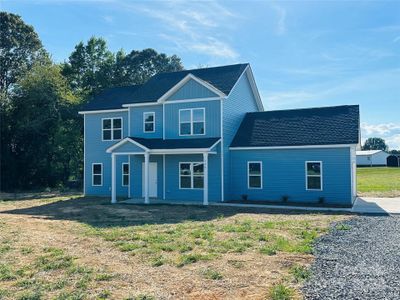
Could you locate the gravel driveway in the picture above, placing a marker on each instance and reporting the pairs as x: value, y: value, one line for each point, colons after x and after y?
x: 358, y: 260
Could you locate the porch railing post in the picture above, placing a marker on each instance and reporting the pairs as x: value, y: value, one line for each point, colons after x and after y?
x: 113, y: 179
x: 205, y: 169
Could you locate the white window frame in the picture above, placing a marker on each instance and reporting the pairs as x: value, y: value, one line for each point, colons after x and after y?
x: 101, y: 174
x: 191, y: 121
x: 320, y: 176
x: 153, y: 122
x: 112, y: 129
x: 123, y: 174
x: 192, y: 163
x: 248, y: 174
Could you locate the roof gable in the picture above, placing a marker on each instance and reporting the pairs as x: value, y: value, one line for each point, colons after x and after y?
x: 299, y: 127
x: 218, y: 79
x: 193, y: 89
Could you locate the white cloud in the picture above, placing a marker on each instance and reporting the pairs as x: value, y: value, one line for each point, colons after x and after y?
x: 108, y: 19
x: 193, y: 26
x: 390, y: 132
x: 281, y: 23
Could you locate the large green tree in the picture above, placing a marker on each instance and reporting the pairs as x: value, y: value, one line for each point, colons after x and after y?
x: 375, y: 143
x: 92, y: 67
x: 42, y: 142
x: 20, y: 48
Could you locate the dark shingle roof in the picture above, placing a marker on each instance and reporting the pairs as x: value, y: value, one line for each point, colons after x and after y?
x: 176, y: 143
x: 223, y: 78
x: 299, y: 127
x: 111, y: 98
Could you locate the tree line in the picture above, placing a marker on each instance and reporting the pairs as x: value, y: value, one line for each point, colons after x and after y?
x: 41, y: 132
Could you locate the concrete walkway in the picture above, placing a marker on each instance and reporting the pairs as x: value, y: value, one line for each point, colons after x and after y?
x: 363, y: 205
x: 369, y: 205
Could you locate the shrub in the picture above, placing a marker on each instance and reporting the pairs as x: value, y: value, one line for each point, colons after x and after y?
x: 285, y: 198
x: 281, y: 292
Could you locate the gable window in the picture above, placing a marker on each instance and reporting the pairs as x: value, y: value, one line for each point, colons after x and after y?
x: 254, y: 174
x: 97, y: 174
x: 148, y: 121
x: 314, y: 175
x: 125, y: 174
x: 191, y: 175
x: 192, y: 121
x: 112, y: 129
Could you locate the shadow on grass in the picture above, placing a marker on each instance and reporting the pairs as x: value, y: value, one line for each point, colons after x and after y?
x: 99, y: 212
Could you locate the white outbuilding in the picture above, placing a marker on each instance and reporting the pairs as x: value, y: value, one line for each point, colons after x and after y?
x: 371, y: 158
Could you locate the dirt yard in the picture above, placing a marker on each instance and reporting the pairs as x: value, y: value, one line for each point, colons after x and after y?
x: 71, y: 247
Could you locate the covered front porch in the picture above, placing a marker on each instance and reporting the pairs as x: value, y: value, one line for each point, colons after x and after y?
x: 168, y: 170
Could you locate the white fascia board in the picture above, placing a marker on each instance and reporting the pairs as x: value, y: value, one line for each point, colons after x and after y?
x: 194, y: 100
x: 140, y: 104
x: 182, y: 151
x: 88, y: 112
x: 124, y: 141
x: 293, y: 147
x: 188, y: 77
x: 215, y: 144
x: 254, y: 88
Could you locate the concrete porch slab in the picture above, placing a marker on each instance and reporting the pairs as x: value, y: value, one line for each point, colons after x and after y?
x: 370, y: 205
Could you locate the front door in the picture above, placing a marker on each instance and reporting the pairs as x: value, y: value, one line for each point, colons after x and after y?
x: 152, y: 179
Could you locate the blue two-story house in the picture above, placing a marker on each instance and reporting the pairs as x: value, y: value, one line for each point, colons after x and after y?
x: 202, y: 135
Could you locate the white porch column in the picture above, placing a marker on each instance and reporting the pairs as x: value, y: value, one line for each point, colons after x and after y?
x: 113, y: 179
x: 205, y: 190
x: 146, y: 177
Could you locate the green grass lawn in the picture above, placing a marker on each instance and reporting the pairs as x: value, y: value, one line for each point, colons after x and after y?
x: 380, y: 181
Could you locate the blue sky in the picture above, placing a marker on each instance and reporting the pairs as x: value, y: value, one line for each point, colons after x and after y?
x: 303, y: 53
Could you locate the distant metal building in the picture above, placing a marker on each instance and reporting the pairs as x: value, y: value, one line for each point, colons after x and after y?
x: 371, y: 158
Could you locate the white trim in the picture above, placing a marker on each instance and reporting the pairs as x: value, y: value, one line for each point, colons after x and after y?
x: 253, y: 86
x: 222, y: 154
x: 129, y: 153
x: 292, y: 147
x: 129, y: 186
x: 140, y: 104
x: 129, y: 121
x: 205, y: 178
x: 163, y: 176
x: 123, y: 174
x: 191, y: 163
x: 146, y: 122
x: 215, y: 144
x: 353, y: 172
x: 88, y: 112
x: 248, y: 174
x: 84, y: 155
x: 320, y: 175
x: 191, y: 121
x: 163, y: 120
x: 122, y: 142
x: 181, y: 83
x: 194, y: 100
x: 112, y: 129
x: 113, y: 179
x: 146, y: 177
x: 101, y: 174
x: 181, y: 151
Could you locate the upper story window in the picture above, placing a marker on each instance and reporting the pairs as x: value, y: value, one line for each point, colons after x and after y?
x: 254, y: 175
x: 192, y: 121
x: 112, y: 129
x: 314, y: 175
x: 149, y: 121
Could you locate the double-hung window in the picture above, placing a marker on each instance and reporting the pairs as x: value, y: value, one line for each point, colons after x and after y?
x: 125, y: 174
x: 112, y: 129
x: 191, y: 175
x: 314, y: 175
x: 254, y: 174
x: 192, y: 121
x: 149, y: 121
x: 97, y: 174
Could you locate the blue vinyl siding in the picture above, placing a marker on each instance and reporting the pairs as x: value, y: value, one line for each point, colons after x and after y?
x: 192, y: 90
x: 240, y: 101
x: 284, y: 174
x: 95, y: 152
x: 172, y: 190
x: 212, y: 116
x: 136, y: 117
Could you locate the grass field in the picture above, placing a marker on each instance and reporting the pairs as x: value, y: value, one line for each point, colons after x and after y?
x: 72, y: 247
x: 379, y: 181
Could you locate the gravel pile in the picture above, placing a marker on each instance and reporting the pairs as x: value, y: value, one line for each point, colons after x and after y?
x: 358, y: 260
